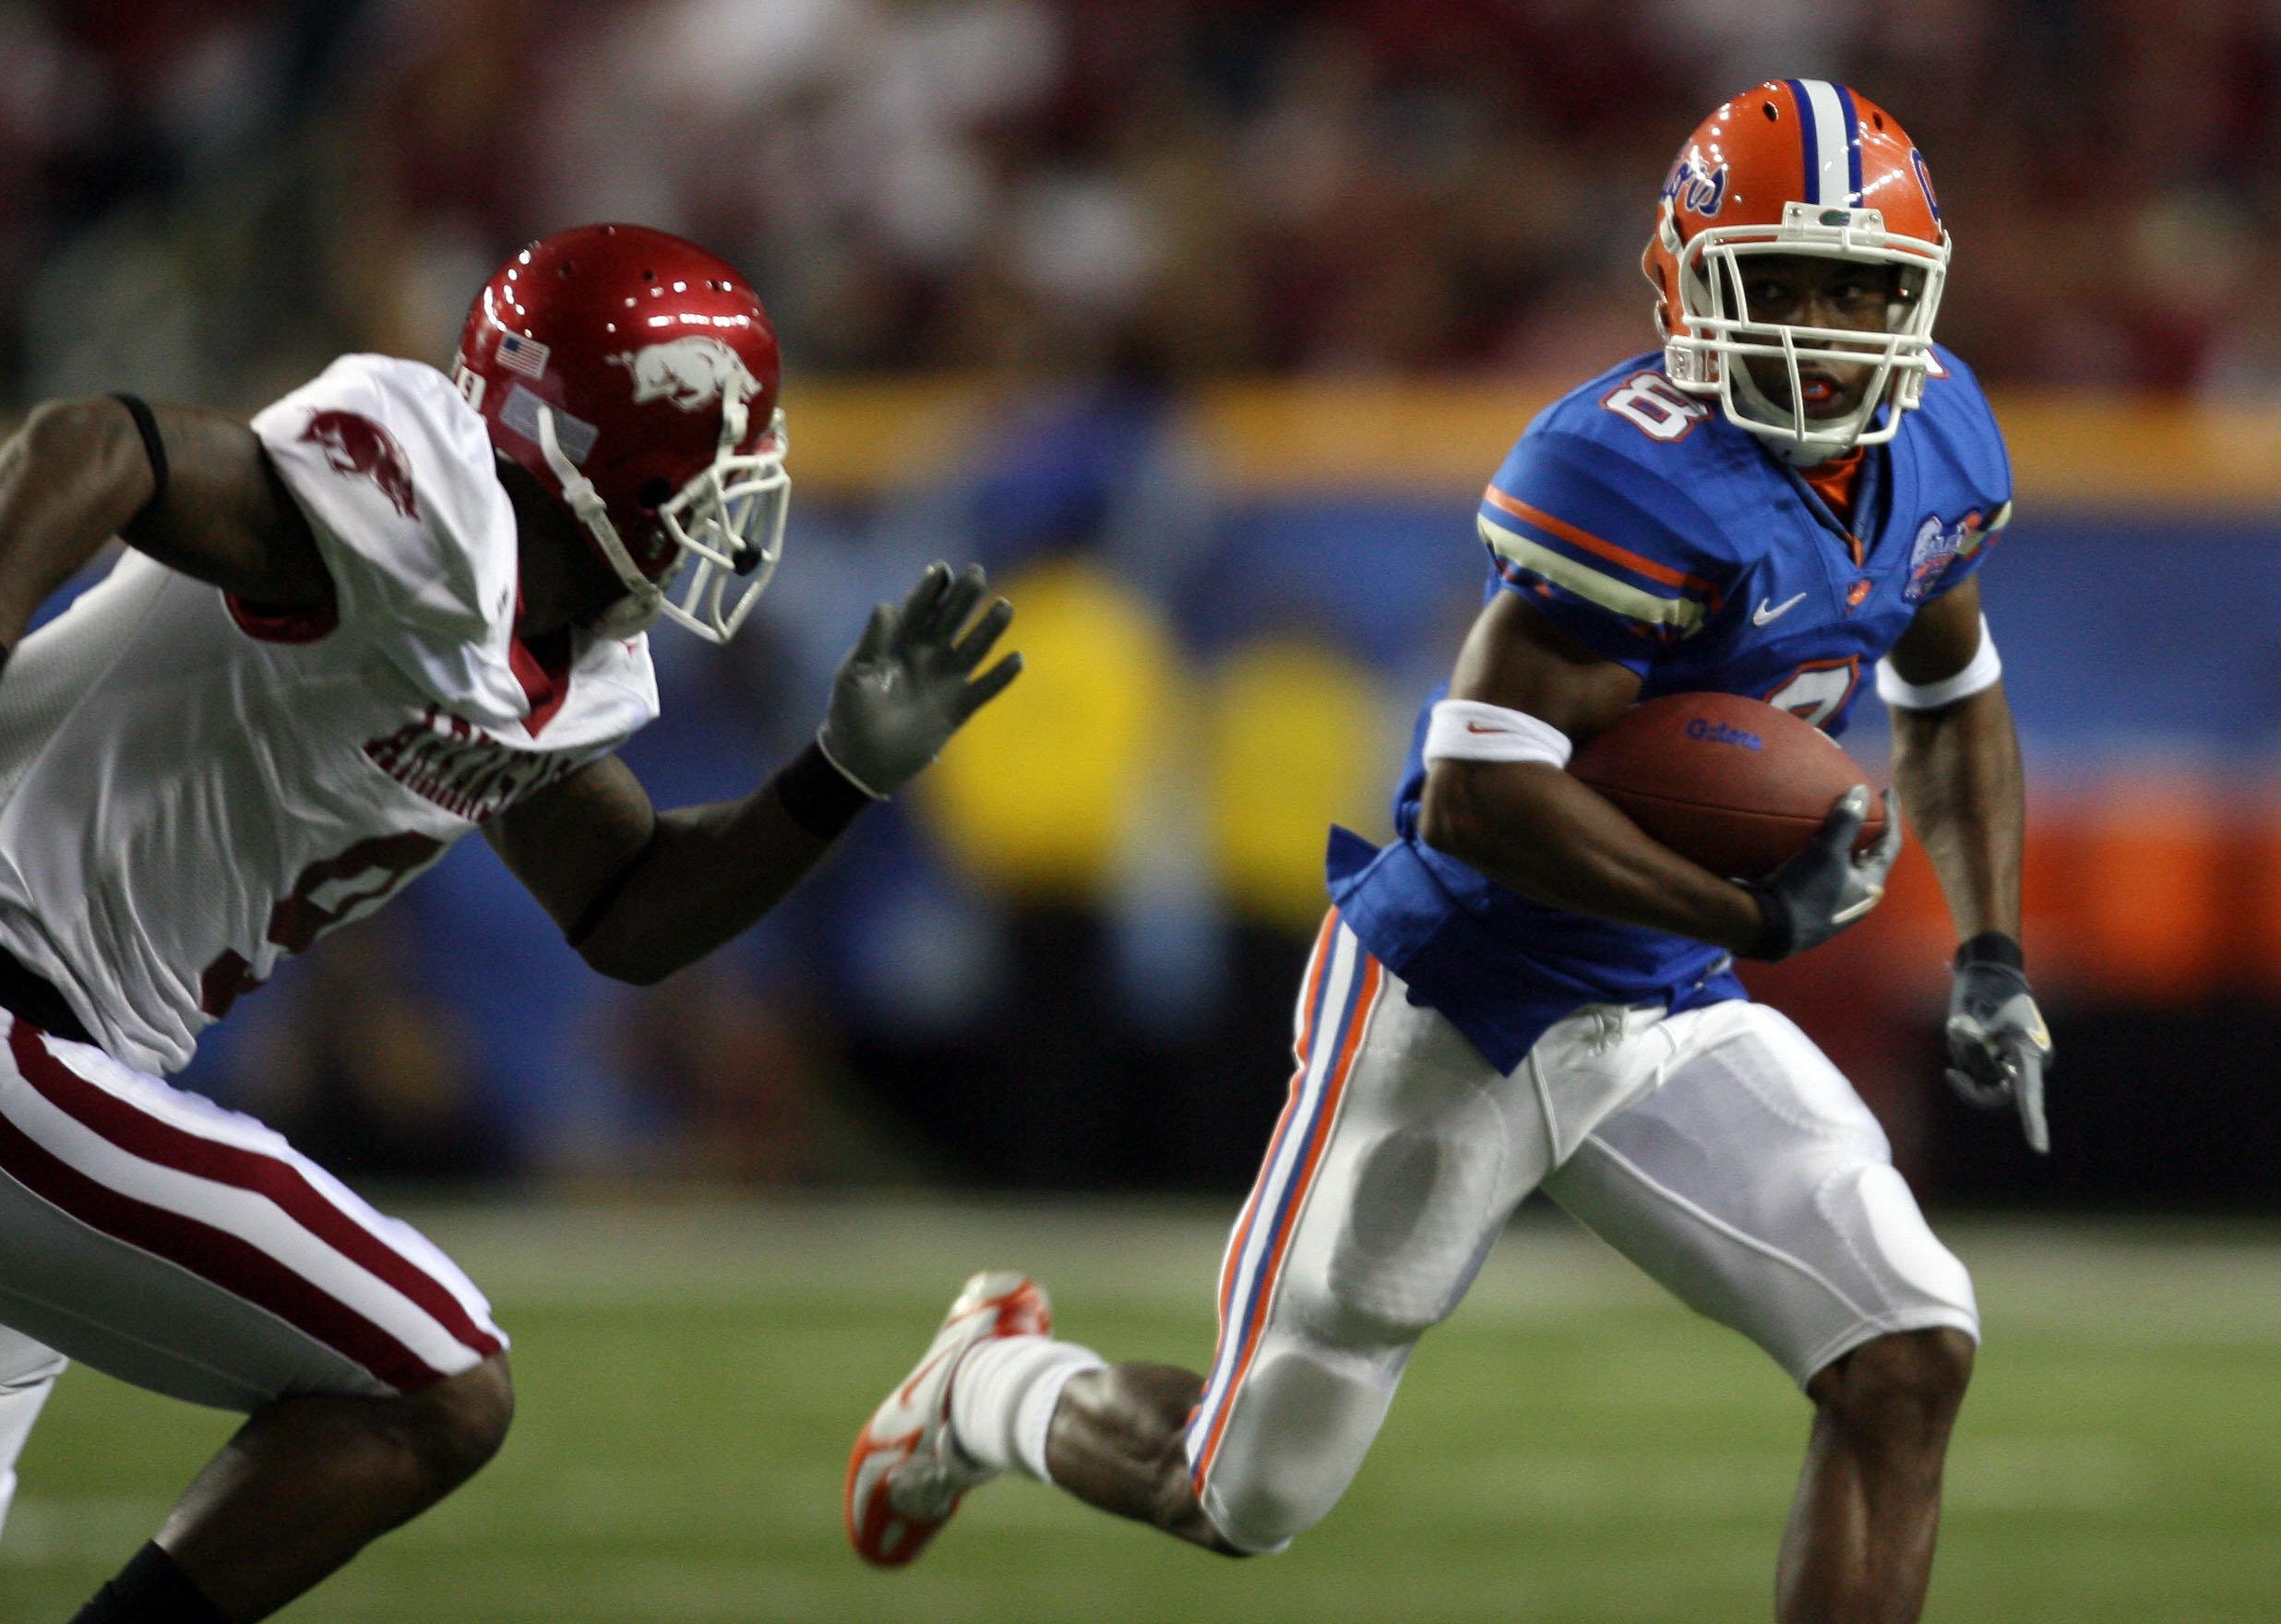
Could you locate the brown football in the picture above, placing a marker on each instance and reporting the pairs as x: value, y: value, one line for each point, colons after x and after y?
x: 1734, y: 783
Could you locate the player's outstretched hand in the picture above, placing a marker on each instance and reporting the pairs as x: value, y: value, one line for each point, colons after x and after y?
x: 1824, y: 886
x: 1999, y: 1046
x: 909, y: 683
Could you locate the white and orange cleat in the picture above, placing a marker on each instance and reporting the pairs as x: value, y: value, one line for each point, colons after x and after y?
x: 906, y: 1475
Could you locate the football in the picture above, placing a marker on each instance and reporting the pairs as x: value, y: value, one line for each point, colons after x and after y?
x: 1734, y: 783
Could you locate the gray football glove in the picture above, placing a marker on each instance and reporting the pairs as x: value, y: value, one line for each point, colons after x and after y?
x: 1824, y: 888
x: 908, y: 683
x: 1999, y: 1046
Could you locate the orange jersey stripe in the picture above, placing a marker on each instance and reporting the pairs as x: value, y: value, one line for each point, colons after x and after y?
x: 1608, y: 550
x: 1374, y: 980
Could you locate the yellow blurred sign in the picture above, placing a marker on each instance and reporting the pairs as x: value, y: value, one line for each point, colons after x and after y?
x: 1033, y: 794
x: 1299, y: 741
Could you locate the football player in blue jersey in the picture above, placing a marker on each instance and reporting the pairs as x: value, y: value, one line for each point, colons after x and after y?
x: 1525, y: 991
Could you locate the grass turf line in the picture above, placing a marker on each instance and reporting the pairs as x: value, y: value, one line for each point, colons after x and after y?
x: 1571, y: 1447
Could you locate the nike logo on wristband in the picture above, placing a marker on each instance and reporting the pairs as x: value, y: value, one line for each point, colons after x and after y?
x: 1762, y: 613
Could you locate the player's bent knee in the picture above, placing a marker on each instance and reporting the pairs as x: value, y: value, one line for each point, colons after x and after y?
x: 1297, y: 1441
x: 1921, y: 1372
x: 1257, y: 1513
x: 1937, y: 1363
x: 456, y: 1426
x: 1933, y: 1364
x: 31, y: 1371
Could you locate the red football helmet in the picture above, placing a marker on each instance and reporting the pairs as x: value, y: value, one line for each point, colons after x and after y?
x: 1797, y: 166
x: 635, y: 375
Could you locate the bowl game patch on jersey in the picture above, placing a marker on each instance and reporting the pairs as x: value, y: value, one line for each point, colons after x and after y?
x: 1939, y: 547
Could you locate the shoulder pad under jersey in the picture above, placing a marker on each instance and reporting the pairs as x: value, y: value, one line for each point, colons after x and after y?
x: 1596, y: 520
x: 395, y: 473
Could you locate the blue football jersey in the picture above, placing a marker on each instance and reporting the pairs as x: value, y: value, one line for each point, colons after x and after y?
x: 1666, y: 539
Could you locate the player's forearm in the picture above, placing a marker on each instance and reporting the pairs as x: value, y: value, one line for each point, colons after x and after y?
x: 709, y: 874
x: 1551, y: 838
x: 69, y: 478
x: 1958, y: 772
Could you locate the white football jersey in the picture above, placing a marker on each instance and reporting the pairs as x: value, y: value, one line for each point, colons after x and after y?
x: 191, y: 788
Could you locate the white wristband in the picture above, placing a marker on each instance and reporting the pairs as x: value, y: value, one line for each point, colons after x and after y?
x: 1982, y: 671
x: 1467, y: 730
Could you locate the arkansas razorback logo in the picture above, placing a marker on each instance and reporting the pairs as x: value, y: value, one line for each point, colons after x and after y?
x: 692, y: 373
x: 357, y: 445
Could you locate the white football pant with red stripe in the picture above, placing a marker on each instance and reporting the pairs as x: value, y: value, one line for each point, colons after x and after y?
x: 187, y: 1250
x: 1716, y: 1149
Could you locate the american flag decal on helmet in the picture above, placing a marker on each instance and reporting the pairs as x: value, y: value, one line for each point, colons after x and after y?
x: 527, y: 356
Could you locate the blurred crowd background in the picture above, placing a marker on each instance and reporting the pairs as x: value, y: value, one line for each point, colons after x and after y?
x: 222, y: 192
x: 1202, y: 324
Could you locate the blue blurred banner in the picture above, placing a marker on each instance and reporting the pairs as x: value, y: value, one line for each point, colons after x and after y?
x: 1096, y: 902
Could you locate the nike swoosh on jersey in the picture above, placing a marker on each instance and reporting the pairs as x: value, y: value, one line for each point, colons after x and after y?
x: 1762, y: 614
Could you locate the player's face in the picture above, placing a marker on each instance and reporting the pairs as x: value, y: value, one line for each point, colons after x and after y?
x: 564, y: 580
x: 1807, y: 290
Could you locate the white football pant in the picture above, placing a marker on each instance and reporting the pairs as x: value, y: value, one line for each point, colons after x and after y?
x: 1716, y: 1149
x: 153, y: 1234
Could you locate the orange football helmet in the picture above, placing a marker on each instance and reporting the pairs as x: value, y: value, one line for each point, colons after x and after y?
x: 1796, y: 167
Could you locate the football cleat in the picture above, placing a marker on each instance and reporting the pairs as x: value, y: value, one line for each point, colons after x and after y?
x: 906, y: 1475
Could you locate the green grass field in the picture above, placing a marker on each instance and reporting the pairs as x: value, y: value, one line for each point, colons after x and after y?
x: 1571, y: 1447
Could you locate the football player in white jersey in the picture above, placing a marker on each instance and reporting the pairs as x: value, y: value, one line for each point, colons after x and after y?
x: 398, y: 607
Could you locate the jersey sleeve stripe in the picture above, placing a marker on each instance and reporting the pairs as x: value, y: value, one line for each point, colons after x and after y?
x: 1515, y: 550
x: 1537, y: 519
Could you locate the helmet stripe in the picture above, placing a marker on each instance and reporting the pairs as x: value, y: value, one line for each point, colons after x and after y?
x: 1832, y: 142
x: 1851, y: 118
x: 1809, y: 140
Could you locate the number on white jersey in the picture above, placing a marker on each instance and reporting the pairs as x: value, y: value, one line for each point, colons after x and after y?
x: 1818, y: 691
x: 328, y: 892
x: 1656, y: 406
